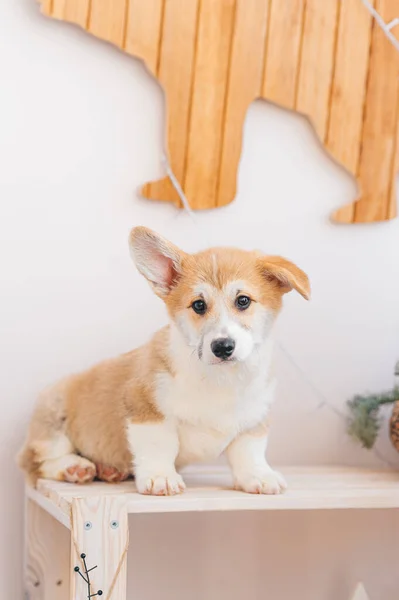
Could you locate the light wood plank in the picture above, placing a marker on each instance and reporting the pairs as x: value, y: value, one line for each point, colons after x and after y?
x: 107, y: 20
x: 176, y: 74
x: 47, y: 555
x: 51, y: 503
x: 73, y: 11
x: 77, y: 11
x: 245, y: 84
x: 208, y: 101
x: 310, y: 488
x: 104, y: 544
x: 46, y: 7
x: 348, y: 92
x: 317, y: 62
x: 58, y: 9
x: 378, y: 138
x: 283, y: 52
x: 393, y: 194
x: 143, y: 31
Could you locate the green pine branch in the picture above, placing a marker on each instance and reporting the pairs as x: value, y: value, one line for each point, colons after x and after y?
x: 364, y: 421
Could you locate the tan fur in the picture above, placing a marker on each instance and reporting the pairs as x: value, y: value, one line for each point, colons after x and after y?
x: 218, y: 266
x: 260, y: 430
x: 92, y: 408
x: 89, y: 411
x: 29, y: 460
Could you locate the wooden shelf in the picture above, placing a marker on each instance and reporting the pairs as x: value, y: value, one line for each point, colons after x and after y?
x: 96, y: 516
x: 310, y: 488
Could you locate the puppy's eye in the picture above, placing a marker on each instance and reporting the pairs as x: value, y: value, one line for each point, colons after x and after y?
x: 199, y: 307
x: 242, y: 302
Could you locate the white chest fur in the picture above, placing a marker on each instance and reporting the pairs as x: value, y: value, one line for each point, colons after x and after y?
x: 210, y: 411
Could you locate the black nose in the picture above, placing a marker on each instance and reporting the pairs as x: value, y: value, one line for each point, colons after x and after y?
x: 223, y: 347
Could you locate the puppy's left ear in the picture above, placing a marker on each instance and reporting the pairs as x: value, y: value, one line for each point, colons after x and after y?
x: 286, y: 275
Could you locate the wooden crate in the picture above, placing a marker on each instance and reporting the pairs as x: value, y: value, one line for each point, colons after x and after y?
x: 94, y: 520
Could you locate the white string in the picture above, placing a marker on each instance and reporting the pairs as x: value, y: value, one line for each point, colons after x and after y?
x: 323, y: 400
x: 325, y: 403
x: 386, y: 27
x: 175, y: 182
x: 392, y: 23
x: 183, y: 198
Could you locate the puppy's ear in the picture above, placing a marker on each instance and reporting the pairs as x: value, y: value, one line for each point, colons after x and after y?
x: 156, y: 258
x: 285, y: 274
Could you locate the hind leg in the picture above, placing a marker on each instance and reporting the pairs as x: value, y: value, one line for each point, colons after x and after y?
x: 57, y: 460
x: 110, y: 474
x: 71, y: 467
x: 48, y: 451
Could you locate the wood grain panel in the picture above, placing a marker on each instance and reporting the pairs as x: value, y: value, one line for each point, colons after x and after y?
x: 245, y: 84
x: 160, y: 542
x: 143, y: 31
x: 393, y: 195
x: 283, y: 52
x: 349, y: 91
x: 317, y: 62
x: 47, y: 7
x: 328, y: 59
x: 208, y: 101
x: 175, y: 72
x: 47, y: 569
x: 211, y: 488
x: 378, y: 138
x: 77, y: 11
x: 104, y: 545
x: 107, y: 20
x: 57, y: 9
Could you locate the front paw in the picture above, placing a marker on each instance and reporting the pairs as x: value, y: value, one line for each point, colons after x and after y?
x: 265, y: 482
x: 160, y: 485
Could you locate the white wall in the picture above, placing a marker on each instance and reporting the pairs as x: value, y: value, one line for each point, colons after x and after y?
x: 81, y: 128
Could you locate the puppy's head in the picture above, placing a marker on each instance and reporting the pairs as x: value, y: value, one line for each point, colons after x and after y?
x: 223, y: 300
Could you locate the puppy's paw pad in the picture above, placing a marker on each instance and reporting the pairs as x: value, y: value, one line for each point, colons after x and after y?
x: 161, y: 485
x: 80, y: 472
x: 110, y: 474
x: 269, y: 482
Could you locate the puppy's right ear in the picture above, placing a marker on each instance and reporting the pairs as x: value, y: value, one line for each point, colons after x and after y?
x: 157, y: 259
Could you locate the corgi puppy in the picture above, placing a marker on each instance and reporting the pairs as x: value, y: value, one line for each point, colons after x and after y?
x: 201, y: 387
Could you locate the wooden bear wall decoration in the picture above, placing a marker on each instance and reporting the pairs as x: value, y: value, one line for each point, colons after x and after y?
x: 327, y: 59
